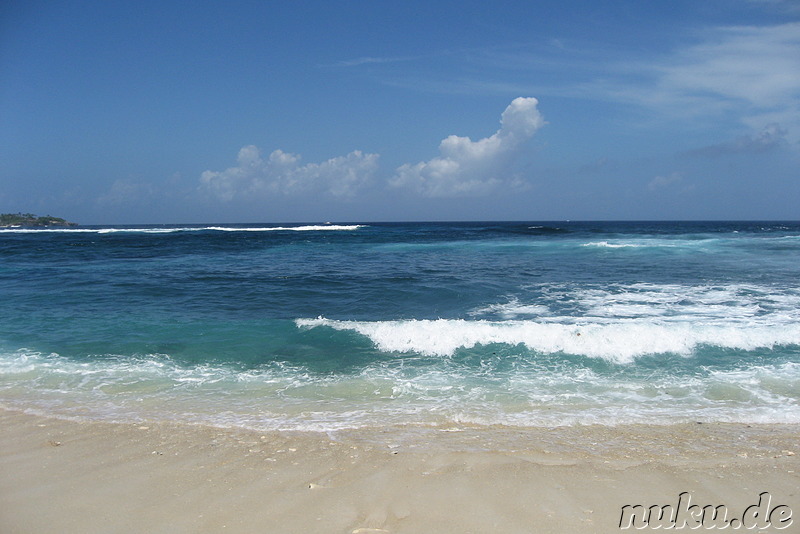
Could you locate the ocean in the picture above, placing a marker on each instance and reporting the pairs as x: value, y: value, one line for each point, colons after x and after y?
x: 328, y: 327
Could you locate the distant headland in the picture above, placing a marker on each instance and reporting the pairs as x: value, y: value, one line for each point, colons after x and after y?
x: 29, y: 220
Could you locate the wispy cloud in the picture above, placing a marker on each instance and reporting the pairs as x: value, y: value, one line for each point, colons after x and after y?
x: 746, y: 73
x: 750, y: 74
x: 370, y: 60
x: 661, y: 182
x: 787, y: 6
x: 599, y: 165
x: 282, y: 174
x: 671, y: 184
x: 759, y: 66
x: 770, y: 138
x: 467, y: 167
x: 126, y: 192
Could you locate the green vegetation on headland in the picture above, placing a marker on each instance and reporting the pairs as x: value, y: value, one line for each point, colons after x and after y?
x: 8, y: 220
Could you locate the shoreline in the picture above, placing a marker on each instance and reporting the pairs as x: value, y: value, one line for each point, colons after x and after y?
x: 89, y: 477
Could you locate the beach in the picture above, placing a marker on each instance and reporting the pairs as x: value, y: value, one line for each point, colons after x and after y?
x: 87, y: 477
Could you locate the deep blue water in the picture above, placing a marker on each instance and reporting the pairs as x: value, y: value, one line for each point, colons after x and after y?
x: 339, y: 326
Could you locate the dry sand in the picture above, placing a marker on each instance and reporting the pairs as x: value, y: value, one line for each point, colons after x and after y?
x: 90, y: 477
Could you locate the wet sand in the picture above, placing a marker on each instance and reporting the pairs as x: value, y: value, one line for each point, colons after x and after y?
x: 92, y: 477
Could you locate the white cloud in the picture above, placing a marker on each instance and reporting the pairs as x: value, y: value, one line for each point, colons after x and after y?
x: 281, y: 173
x: 467, y: 167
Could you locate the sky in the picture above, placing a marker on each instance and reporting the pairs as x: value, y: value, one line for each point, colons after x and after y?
x: 356, y: 111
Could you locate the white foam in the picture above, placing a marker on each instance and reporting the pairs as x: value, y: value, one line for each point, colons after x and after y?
x: 742, y: 305
x: 307, y: 228
x: 620, y: 341
x: 304, y: 228
x: 512, y: 309
x: 653, y: 242
x: 735, y: 304
x: 606, y: 244
x: 390, y: 392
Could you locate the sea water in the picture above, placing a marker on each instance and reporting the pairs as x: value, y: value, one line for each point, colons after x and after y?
x: 325, y: 327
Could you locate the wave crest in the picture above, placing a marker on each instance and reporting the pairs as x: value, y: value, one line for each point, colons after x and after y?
x: 618, y: 342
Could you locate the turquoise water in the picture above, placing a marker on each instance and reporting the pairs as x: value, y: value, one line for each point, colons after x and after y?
x: 325, y: 327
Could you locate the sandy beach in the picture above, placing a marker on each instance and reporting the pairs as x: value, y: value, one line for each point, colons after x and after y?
x: 91, y: 477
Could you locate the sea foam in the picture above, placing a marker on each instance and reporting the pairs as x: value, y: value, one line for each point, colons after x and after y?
x: 278, y: 396
x: 171, y: 230
x: 619, y: 342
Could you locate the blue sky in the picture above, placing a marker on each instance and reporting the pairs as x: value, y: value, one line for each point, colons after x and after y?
x: 168, y: 112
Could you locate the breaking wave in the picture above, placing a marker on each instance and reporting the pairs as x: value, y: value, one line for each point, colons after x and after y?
x: 618, y: 342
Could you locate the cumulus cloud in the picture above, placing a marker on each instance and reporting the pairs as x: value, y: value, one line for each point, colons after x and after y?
x: 282, y: 173
x: 466, y: 167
